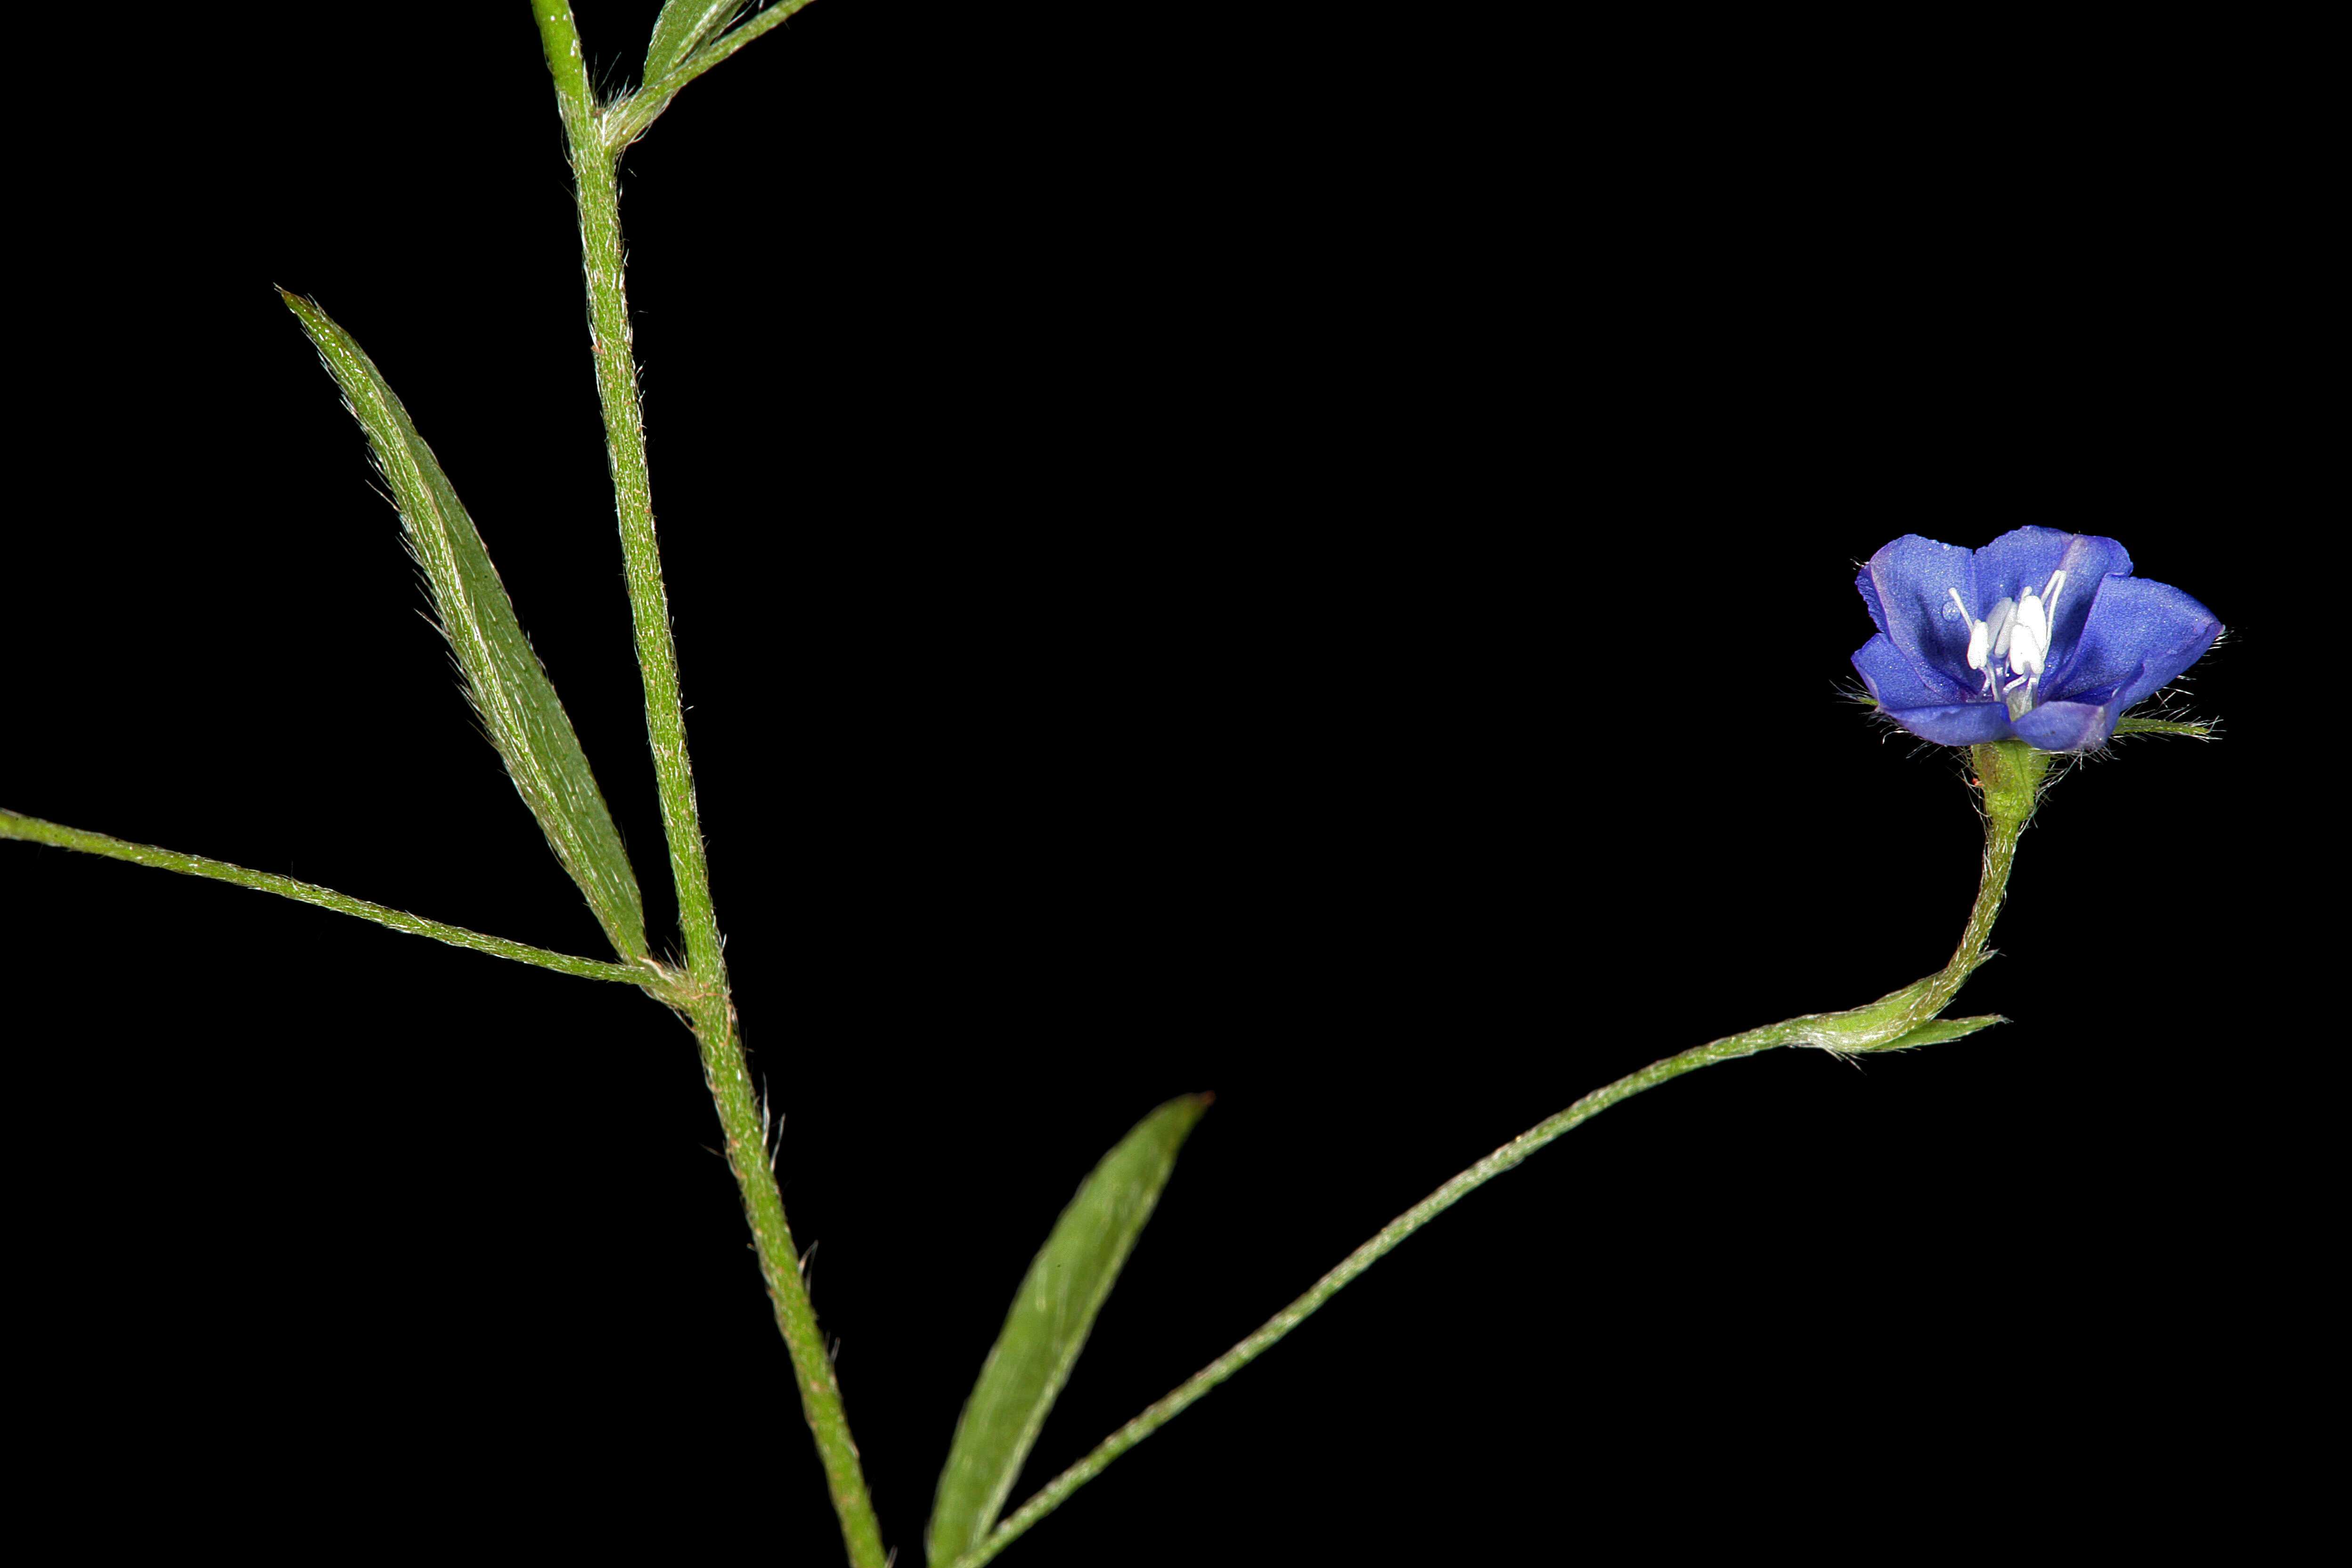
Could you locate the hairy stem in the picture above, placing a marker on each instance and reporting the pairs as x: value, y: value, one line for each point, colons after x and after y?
x: 2011, y: 776
x: 703, y: 995
x: 1052, y: 1494
x: 32, y: 828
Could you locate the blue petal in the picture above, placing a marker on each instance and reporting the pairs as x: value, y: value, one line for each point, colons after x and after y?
x: 2139, y: 635
x: 1897, y: 682
x: 2026, y: 557
x: 2068, y: 726
x: 1908, y: 586
x: 1955, y: 725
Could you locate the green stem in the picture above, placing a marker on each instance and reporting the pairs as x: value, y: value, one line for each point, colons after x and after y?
x: 1050, y: 1497
x: 703, y: 993
x: 2011, y: 776
x: 32, y: 828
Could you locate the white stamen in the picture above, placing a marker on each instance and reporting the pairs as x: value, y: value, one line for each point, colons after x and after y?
x: 2013, y: 640
x: 1977, y: 637
x: 2003, y: 617
x: 2029, y: 638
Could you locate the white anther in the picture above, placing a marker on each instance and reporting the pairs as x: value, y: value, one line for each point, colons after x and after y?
x: 1979, y: 639
x: 1999, y: 625
x: 2029, y: 635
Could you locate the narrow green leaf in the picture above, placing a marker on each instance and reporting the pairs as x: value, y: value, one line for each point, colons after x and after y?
x: 504, y: 679
x: 1047, y: 1326
x: 629, y: 116
x: 682, y: 25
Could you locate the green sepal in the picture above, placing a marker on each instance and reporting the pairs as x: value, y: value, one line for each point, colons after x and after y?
x: 2011, y: 774
x: 1936, y: 1032
x: 2130, y: 725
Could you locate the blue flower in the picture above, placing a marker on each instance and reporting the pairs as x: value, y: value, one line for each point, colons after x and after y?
x: 2042, y: 637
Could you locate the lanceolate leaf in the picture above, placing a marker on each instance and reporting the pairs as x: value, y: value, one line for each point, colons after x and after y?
x: 509, y: 688
x: 1047, y: 1327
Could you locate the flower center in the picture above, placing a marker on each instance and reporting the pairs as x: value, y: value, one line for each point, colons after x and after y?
x: 2011, y: 645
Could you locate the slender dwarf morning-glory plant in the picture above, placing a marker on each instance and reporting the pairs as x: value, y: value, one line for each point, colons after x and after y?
x: 2036, y: 645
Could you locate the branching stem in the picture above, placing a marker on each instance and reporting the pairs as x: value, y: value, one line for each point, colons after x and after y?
x: 32, y: 828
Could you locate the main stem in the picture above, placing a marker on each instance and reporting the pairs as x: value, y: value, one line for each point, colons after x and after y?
x: 704, y: 997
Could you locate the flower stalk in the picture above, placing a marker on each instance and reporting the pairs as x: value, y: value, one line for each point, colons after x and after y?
x: 2010, y: 774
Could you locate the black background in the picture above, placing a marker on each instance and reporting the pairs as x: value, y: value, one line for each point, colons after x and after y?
x: 1309, y: 558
